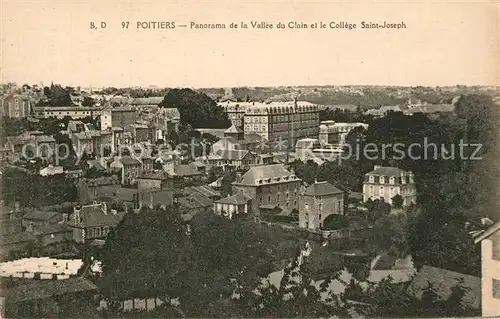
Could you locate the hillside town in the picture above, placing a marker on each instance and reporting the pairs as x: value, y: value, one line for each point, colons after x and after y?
x: 228, y: 202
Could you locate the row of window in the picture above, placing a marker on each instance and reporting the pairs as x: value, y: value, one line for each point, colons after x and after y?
x: 97, y: 232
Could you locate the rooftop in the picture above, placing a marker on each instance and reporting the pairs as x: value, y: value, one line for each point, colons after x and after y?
x: 387, y: 171
x: 275, y: 173
x: 45, y: 289
x: 443, y: 281
x: 40, y: 215
x: 237, y: 199
x: 322, y: 189
x: 44, y: 265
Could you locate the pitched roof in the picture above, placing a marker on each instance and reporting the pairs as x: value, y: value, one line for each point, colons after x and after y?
x: 273, y: 173
x: 487, y: 233
x: 387, y: 171
x: 16, y: 238
x: 40, y: 215
x: 43, y: 289
x: 237, y: 199
x: 185, y: 170
x: 322, y: 189
x: 195, y: 200
x: 55, y: 228
x: 94, y: 215
x: 233, y: 129
x: 129, y: 160
x: 443, y: 281
x: 203, y: 189
x: 233, y: 154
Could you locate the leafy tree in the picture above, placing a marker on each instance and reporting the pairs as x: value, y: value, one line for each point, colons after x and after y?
x: 196, y: 108
x: 397, y: 201
x: 226, y: 183
x: 335, y: 221
x: 389, y: 235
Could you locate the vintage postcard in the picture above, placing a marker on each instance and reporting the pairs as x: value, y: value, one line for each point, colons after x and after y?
x: 249, y: 159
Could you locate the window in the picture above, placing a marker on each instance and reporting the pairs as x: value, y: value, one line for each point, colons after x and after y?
x: 496, y: 288
x: 495, y: 241
x: 371, y: 179
x: 381, y: 179
x: 269, y: 198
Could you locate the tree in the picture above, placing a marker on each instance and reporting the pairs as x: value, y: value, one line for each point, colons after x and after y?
x: 335, y: 221
x: 389, y: 235
x: 226, y: 183
x: 200, y: 266
x: 196, y: 108
x: 397, y: 201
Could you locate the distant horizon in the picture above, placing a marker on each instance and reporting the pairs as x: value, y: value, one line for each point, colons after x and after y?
x: 153, y: 86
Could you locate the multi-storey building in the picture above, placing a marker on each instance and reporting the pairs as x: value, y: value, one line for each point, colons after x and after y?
x: 387, y: 182
x: 118, y: 117
x: 93, y: 221
x: 282, y: 123
x: 235, y: 139
x: 490, y: 271
x: 75, y: 112
x: 334, y: 133
x: 270, y: 187
x: 319, y: 201
x: 235, y: 111
x: 15, y: 106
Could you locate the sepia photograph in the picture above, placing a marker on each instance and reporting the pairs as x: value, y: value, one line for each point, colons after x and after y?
x: 217, y: 159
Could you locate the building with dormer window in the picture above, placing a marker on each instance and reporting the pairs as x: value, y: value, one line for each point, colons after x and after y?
x: 383, y: 183
x: 270, y: 187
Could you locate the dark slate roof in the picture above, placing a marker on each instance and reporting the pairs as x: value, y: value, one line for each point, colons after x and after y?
x: 237, y: 199
x: 117, y: 193
x: 40, y: 215
x: 322, y: 189
x: 185, y: 170
x: 203, y: 189
x: 44, y: 289
x: 129, y: 160
x: 265, y: 172
x: 442, y: 281
x: 195, y: 201
x: 387, y: 171
x: 233, y: 154
x: 94, y: 216
x: 16, y: 238
x: 55, y: 228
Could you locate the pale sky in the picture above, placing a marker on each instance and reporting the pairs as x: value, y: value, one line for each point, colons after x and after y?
x: 443, y: 44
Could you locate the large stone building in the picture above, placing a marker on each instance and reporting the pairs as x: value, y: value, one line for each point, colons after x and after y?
x: 235, y: 110
x: 270, y: 187
x: 118, y: 117
x: 282, y: 123
x: 60, y: 112
x: 319, y: 201
x: 384, y: 183
x: 490, y: 270
x: 15, y: 106
x: 334, y: 133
